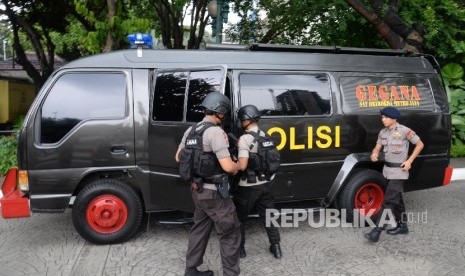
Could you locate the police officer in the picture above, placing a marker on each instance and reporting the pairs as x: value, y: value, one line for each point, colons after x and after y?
x: 210, y: 208
x: 394, y: 141
x: 253, y: 192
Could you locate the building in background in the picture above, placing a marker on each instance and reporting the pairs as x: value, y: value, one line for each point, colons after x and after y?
x: 17, y: 91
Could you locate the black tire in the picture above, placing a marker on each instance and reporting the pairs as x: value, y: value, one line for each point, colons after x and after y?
x: 107, y: 211
x: 364, y: 190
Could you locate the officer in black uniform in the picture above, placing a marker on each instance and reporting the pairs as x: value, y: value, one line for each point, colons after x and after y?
x: 253, y: 191
x: 394, y: 140
x: 211, y: 209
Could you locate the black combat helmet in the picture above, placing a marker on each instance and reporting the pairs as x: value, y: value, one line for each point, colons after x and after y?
x: 249, y: 112
x: 217, y: 102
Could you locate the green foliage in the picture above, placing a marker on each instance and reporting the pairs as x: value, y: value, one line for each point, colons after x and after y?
x: 453, y: 73
x: 457, y: 150
x: 8, y: 146
x: 453, y: 77
x: 19, y: 123
x: 334, y: 22
x: 443, y: 21
x: 8, y: 152
x: 92, y: 39
x: 305, y: 22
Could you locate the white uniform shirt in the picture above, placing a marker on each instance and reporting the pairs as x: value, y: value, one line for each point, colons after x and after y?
x: 395, y: 142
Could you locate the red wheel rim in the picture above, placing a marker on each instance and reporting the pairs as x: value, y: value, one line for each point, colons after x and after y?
x: 369, y: 196
x: 106, y: 214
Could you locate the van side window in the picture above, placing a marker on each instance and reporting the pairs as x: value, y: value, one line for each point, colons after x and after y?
x: 200, y: 84
x: 170, y: 90
x: 286, y: 94
x: 91, y: 96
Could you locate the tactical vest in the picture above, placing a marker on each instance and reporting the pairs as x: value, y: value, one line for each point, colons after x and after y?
x: 195, y: 164
x: 265, y: 162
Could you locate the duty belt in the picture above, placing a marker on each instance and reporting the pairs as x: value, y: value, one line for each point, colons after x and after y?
x: 393, y: 165
x: 210, y: 186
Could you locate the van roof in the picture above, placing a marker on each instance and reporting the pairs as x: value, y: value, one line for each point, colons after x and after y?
x: 268, y: 57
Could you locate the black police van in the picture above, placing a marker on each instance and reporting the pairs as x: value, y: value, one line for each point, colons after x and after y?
x: 102, y: 133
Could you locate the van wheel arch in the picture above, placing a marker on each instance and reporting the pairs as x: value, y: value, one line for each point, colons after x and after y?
x: 363, y: 190
x: 107, y: 211
x: 94, y: 176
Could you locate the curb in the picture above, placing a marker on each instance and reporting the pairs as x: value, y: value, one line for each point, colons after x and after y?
x: 458, y: 174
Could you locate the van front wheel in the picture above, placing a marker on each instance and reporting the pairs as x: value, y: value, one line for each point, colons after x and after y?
x: 364, y: 193
x: 107, y: 211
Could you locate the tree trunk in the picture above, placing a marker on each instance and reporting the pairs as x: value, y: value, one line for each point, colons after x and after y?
x: 199, y: 8
x: 110, y: 43
x: 389, y: 26
x: 170, y: 20
x: 21, y: 58
x: 165, y: 19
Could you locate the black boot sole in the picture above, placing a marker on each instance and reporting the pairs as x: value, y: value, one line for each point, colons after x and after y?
x: 368, y: 237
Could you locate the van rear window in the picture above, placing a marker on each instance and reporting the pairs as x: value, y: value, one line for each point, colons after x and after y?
x: 368, y: 94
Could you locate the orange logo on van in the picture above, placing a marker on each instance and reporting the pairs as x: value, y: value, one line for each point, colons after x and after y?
x: 387, y: 95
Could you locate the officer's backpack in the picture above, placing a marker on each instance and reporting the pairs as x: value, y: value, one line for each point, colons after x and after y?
x: 267, y: 159
x: 192, y: 153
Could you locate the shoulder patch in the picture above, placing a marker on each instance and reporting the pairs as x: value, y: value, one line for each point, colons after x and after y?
x: 226, y: 137
x: 410, y: 134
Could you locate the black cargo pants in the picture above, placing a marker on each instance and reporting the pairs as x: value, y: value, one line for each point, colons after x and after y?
x: 211, y: 209
x: 259, y: 197
x: 393, y: 199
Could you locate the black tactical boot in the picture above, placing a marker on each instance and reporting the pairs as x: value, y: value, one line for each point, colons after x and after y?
x: 276, y: 250
x: 374, y: 234
x: 242, y: 253
x: 401, y: 228
x: 195, y: 272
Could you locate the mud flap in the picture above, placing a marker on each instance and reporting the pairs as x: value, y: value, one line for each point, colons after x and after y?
x: 14, y: 203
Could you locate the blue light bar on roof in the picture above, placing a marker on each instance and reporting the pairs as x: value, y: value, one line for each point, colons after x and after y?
x: 140, y: 40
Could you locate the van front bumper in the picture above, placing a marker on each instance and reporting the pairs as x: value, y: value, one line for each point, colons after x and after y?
x: 14, y: 203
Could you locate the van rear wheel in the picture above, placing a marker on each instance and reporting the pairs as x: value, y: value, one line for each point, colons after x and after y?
x: 364, y: 193
x: 107, y: 211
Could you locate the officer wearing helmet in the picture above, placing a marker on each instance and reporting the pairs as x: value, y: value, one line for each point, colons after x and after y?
x: 253, y: 191
x: 394, y: 140
x: 211, y: 209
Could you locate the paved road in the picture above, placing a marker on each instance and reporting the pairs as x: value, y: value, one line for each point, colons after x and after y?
x: 46, y: 244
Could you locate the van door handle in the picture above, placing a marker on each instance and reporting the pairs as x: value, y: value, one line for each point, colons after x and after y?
x: 118, y: 149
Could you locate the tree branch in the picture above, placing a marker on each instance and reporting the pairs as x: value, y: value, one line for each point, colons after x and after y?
x: 109, y: 43
x: 21, y: 58
x: 394, y: 41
